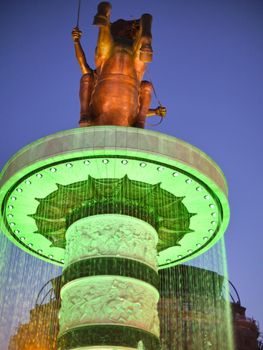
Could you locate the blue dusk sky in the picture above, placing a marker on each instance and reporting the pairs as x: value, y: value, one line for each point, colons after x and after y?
x: 207, y: 71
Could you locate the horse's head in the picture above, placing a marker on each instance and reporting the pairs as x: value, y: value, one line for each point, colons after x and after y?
x: 125, y: 31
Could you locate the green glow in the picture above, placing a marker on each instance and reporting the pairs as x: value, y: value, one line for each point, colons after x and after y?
x: 201, y: 194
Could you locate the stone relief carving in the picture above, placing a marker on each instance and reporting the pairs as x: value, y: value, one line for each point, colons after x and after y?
x: 112, y: 235
x: 109, y: 300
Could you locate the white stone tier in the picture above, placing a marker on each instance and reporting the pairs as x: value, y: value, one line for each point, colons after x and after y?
x: 110, y: 299
x: 111, y: 235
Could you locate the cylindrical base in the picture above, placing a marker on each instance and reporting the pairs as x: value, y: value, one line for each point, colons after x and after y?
x: 109, y: 293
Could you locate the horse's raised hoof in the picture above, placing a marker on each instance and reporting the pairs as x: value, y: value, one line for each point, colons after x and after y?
x: 102, y: 17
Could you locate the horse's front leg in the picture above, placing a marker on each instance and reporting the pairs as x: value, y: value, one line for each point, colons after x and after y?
x: 146, y: 51
x: 105, y: 41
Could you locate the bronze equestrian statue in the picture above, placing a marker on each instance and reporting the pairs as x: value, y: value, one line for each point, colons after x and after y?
x: 114, y: 93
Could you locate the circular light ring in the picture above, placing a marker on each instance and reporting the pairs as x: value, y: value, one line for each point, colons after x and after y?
x: 19, y: 169
x: 163, y: 260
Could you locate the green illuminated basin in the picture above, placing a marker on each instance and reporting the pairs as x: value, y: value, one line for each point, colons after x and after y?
x: 181, y: 190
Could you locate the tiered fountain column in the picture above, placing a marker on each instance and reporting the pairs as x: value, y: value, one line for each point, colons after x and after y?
x: 109, y: 294
x: 92, y: 190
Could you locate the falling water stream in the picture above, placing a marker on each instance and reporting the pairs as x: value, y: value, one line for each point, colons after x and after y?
x: 193, y: 310
x: 22, y: 276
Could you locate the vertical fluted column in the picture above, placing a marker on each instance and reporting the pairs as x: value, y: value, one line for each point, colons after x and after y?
x: 109, y: 293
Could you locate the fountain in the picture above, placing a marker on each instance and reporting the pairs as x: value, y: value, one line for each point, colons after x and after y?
x: 111, y: 202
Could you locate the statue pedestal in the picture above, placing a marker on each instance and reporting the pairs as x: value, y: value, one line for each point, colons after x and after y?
x: 109, y: 294
x: 77, y: 188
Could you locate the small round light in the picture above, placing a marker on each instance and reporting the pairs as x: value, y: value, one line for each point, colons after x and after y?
x: 124, y: 161
x: 16, y: 232
x: 53, y: 170
x: 40, y: 251
x: 22, y: 238
x: 12, y: 224
x: 213, y: 214
x: 211, y: 206
x: 19, y: 190
x: 30, y: 245
x: 188, y: 181
x: 105, y: 161
x: 28, y: 182
x: 10, y: 215
x: 199, y: 189
x: 86, y: 162
x: 160, y: 168
x: 198, y: 245
x: 51, y: 256
x: 143, y: 165
x: 179, y: 256
x: 10, y: 207
x: 168, y: 260
x: 211, y: 231
x: 69, y: 165
x: 213, y: 222
x: 62, y: 260
x: 189, y: 251
x: 206, y: 196
x: 175, y: 174
x: 205, y: 238
x: 39, y: 176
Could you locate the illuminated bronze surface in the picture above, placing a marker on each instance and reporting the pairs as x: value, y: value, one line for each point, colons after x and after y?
x: 114, y: 93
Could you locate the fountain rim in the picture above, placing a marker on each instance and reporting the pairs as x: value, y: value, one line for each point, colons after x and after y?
x: 70, y: 143
x: 131, y: 130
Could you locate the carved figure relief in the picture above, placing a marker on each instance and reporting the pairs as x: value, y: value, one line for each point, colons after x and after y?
x: 112, y: 235
x: 109, y: 300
